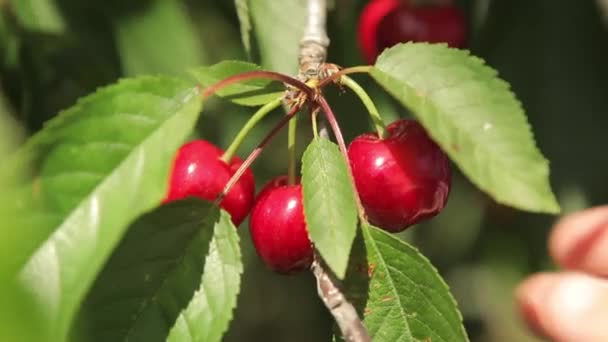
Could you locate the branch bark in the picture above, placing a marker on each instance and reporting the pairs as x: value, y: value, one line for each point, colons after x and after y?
x: 313, y: 52
x: 341, y: 309
x: 314, y: 42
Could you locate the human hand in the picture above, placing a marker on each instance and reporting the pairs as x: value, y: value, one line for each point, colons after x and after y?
x: 572, y: 305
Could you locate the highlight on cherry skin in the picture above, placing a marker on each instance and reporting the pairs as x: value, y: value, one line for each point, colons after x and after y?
x: 199, y: 171
x: 278, y: 227
x: 402, y: 179
x: 384, y: 23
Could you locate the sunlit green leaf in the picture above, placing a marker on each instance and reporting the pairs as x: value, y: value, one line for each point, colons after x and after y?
x: 401, y: 295
x: 475, y: 118
x: 250, y: 93
x: 96, y: 167
x: 159, y: 38
x: 329, y: 203
x: 19, y: 319
x: 210, y: 311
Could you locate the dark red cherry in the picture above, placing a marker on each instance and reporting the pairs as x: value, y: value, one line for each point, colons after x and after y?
x: 278, y: 228
x: 401, y: 179
x: 199, y: 171
x: 427, y: 23
x: 367, y: 29
x: 384, y: 23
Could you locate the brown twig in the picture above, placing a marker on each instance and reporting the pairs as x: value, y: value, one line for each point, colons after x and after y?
x: 341, y: 309
x: 313, y: 51
x: 314, y: 42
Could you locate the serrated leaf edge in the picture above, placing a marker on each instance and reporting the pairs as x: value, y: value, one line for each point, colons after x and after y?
x: 551, y: 205
x: 307, y: 163
x: 369, y: 230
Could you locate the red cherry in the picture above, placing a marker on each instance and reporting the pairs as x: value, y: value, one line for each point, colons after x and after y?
x: 433, y: 24
x: 384, y: 23
x: 199, y: 171
x: 278, y: 228
x: 401, y: 179
x: 367, y: 30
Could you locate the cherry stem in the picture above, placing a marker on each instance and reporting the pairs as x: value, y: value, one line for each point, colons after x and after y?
x: 253, y: 120
x: 257, y: 74
x: 291, y: 151
x: 313, y: 117
x: 361, y: 69
x: 333, y: 123
x: 256, y: 152
x: 367, y: 102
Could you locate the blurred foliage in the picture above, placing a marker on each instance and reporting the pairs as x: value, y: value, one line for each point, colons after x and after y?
x: 554, y: 54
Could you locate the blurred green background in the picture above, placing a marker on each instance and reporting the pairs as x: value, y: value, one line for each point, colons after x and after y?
x: 553, y: 53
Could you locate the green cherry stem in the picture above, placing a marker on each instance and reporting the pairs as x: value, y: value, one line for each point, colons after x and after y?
x: 362, y: 69
x: 291, y: 151
x: 333, y: 123
x: 253, y: 120
x: 313, y: 117
x: 256, y: 152
x: 367, y: 102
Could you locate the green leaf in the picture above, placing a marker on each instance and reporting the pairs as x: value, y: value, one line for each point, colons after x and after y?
x: 249, y: 93
x: 475, y: 118
x: 242, y: 11
x: 278, y: 27
x: 403, y: 296
x: 97, y: 166
x: 329, y: 203
x: 159, y: 39
x: 39, y: 15
x: 210, y: 311
x: 10, y: 42
x: 11, y: 133
x: 19, y: 319
x: 152, y: 274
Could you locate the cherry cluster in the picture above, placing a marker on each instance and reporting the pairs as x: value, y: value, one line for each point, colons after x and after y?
x: 384, y: 23
x: 401, y: 179
x: 400, y: 174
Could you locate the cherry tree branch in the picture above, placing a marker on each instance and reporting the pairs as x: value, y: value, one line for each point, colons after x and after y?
x: 313, y: 46
x: 314, y: 42
x: 341, y: 309
x: 313, y: 52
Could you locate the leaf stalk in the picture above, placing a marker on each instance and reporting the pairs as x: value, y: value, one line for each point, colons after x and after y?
x: 368, y: 103
x: 256, y: 152
x: 253, y: 120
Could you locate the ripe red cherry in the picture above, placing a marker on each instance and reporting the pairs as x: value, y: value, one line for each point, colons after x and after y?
x: 384, y: 23
x: 401, y: 179
x: 199, y: 171
x: 369, y: 20
x: 278, y: 228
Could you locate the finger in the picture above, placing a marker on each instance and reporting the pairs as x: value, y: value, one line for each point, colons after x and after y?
x: 565, y: 307
x: 580, y: 241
